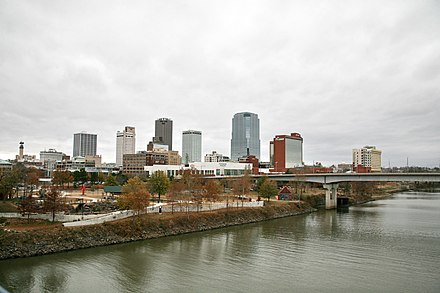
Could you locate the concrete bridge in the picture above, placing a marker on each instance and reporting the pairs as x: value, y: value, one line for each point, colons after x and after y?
x: 330, y: 181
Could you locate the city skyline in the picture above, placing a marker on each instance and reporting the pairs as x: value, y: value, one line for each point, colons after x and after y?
x: 344, y: 75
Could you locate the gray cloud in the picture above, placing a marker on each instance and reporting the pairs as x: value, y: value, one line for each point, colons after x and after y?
x: 343, y: 74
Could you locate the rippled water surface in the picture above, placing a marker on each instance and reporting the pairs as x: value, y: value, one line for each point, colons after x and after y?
x: 390, y: 245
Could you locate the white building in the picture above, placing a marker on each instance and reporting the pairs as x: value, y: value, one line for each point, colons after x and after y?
x: 191, y: 146
x: 204, y: 168
x: 368, y: 156
x: 215, y: 157
x: 125, y: 143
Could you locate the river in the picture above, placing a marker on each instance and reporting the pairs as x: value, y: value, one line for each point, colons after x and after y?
x: 390, y: 245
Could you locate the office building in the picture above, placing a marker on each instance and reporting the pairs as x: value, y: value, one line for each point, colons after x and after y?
x: 245, y: 136
x: 191, y: 146
x: 286, y: 152
x: 163, y: 132
x: 133, y: 164
x: 125, y: 143
x: 84, y: 144
x: 367, y: 159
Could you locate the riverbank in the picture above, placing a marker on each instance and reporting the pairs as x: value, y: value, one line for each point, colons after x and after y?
x: 15, y: 244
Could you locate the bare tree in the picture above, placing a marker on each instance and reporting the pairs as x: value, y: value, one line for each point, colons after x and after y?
x: 54, y: 203
x: 28, y: 206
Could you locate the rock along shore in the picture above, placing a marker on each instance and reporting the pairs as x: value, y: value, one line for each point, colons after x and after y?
x: 41, y: 242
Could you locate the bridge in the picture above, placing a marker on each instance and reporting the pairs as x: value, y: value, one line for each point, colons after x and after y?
x: 330, y: 181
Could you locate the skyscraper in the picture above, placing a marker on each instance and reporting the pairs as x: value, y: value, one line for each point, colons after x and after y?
x: 191, y: 146
x: 84, y: 144
x: 245, y: 136
x: 125, y: 143
x: 163, y: 132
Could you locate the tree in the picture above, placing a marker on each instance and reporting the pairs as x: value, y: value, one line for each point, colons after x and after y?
x: 260, y: 181
x: 80, y: 176
x: 135, y: 196
x: 176, y: 192
x: 242, y: 186
x: 20, y: 172
x: 268, y: 189
x: 28, y: 206
x: 8, y: 181
x: 61, y: 177
x: 94, y: 177
x: 193, y: 186
x: 33, y: 176
x: 111, y: 181
x: 53, y: 203
x: 212, y: 189
x: 159, y: 183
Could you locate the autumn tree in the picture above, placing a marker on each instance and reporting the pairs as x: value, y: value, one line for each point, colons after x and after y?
x: 242, y: 186
x: 28, y: 206
x: 33, y: 176
x: 62, y: 177
x: 135, y: 196
x: 268, y: 189
x: 212, y: 189
x: 193, y: 186
x: 159, y: 183
x: 54, y: 203
x: 176, y: 192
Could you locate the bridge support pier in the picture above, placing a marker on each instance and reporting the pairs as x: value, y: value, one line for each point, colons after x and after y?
x: 331, y: 195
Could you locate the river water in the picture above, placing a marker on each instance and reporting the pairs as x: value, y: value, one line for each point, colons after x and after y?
x: 390, y: 245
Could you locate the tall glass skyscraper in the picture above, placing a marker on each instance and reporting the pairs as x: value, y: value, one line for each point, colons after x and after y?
x: 84, y: 144
x: 245, y: 135
x: 191, y: 146
x: 163, y: 132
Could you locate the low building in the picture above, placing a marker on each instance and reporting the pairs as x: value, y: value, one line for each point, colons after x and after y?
x: 254, y: 161
x: 285, y: 194
x: 216, y: 157
x: 5, y: 166
x: 202, y: 168
x: 133, y: 164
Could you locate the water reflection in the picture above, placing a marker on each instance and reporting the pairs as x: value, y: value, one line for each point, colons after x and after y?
x: 394, y: 242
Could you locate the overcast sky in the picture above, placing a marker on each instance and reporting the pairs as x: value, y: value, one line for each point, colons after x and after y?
x: 344, y: 74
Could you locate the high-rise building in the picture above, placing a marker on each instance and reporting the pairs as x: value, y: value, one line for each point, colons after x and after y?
x: 367, y: 159
x: 84, y: 144
x: 245, y: 136
x: 286, y: 152
x: 125, y: 143
x: 163, y: 132
x: 191, y: 146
